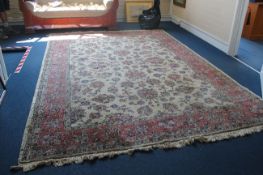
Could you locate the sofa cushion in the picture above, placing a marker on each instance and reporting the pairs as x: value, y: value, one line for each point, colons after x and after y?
x: 67, y: 8
x: 45, y: 2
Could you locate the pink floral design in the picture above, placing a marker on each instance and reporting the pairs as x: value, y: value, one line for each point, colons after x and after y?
x: 135, y: 74
x: 154, y: 60
x: 97, y: 84
x: 148, y: 94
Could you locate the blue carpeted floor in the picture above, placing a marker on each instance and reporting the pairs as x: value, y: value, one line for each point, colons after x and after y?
x: 241, y: 156
x: 251, y: 53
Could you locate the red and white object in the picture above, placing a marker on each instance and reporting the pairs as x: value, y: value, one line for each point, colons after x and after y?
x: 22, y: 61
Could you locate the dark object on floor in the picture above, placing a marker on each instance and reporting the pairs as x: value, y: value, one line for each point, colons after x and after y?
x: 3, y: 35
x: 14, y: 49
x: 150, y: 19
x: 10, y: 31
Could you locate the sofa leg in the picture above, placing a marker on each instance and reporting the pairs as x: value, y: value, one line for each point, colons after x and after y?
x: 113, y: 28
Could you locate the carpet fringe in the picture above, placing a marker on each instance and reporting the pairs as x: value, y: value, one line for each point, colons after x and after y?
x: 163, y: 145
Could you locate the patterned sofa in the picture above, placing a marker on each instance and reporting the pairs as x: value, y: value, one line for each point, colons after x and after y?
x: 50, y: 14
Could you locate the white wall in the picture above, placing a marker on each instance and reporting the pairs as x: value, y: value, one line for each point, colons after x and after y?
x: 211, y: 20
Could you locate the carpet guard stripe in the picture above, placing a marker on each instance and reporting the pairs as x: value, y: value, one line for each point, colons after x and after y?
x: 22, y: 61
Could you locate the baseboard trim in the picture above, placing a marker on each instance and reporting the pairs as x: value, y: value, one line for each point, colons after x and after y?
x: 164, y: 18
x: 213, y: 40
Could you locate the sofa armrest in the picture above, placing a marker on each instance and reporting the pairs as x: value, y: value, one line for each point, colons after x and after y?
x: 108, y: 3
x: 30, y: 5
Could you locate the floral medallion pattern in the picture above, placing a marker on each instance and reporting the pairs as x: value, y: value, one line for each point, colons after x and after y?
x: 113, y: 91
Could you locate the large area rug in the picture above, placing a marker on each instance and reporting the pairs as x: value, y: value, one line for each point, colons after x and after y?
x: 110, y: 93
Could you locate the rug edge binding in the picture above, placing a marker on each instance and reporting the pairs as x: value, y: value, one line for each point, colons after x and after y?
x: 25, y: 167
x: 30, y: 116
